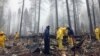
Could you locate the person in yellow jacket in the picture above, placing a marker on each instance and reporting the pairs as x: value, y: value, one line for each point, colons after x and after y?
x: 59, y: 37
x: 2, y: 39
x: 16, y: 38
x: 97, y: 33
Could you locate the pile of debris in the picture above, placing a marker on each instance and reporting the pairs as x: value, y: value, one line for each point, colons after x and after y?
x: 15, y: 49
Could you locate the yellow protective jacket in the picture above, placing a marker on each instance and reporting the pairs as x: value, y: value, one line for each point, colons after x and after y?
x: 97, y: 30
x: 2, y: 41
x: 2, y: 38
x: 65, y: 31
x: 61, y: 32
x: 97, y: 33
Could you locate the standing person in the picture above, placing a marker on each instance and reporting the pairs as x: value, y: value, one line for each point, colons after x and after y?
x: 97, y: 33
x: 16, y: 36
x: 2, y: 39
x: 47, y: 40
x: 71, y: 39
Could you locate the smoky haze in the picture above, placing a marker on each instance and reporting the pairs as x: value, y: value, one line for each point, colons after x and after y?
x: 11, y: 10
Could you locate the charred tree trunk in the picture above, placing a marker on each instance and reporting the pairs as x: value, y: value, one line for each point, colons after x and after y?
x: 56, y: 3
x: 78, y: 24
x: 2, y: 22
x: 89, y: 16
x: 39, y: 17
x: 94, y: 20
x: 99, y: 3
x: 35, y: 18
x: 9, y: 22
x: 74, y: 11
x: 9, y: 25
x: 68, y: 12
x: 21, y: 18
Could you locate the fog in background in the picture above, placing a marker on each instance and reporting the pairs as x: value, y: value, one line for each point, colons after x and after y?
x: 11, y: 10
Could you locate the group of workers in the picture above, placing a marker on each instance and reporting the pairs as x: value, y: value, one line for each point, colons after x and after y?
x: 3, y: 39
x: 60, y: 34
x: 64, y: 33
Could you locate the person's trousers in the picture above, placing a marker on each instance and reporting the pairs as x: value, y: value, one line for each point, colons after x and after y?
x: 46, y: 46
x: 2, y: 44
x: 65, y: 40
x: 97, y: 36
x: 60, y: 44
x: 70, y: 41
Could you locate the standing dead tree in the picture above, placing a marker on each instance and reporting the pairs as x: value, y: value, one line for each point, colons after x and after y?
x: 89, y: 17
x: 69, y: 21
x: 56, y: 3
x: 21, y: 17
x: 39, y: 16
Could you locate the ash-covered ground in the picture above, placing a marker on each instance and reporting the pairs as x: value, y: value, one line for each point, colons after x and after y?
x: 35, y: 47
